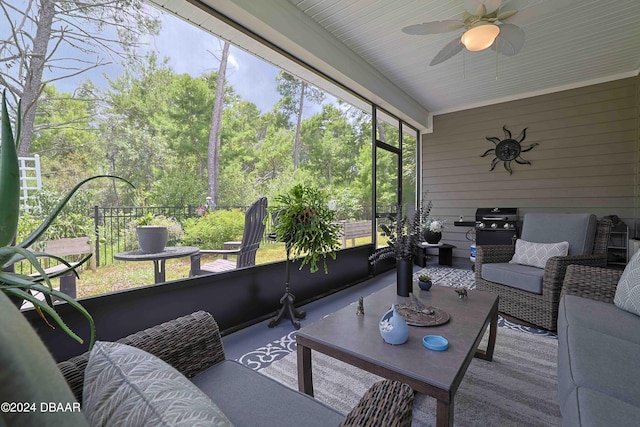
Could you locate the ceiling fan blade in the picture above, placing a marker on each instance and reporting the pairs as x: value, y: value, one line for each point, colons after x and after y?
x: 433, y: 27
x: 510, y: 40
x: 481, y: 7
x: 451, y: 49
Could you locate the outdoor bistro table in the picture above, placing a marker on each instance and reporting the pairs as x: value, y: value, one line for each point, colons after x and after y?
x: 159, y: 258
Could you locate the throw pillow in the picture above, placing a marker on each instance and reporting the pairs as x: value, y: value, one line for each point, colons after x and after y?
x: 537, y: 254
x: 124, y: 385
x: 627, y: 295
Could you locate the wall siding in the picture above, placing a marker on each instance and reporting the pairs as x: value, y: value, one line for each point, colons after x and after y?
x: 586, y: 160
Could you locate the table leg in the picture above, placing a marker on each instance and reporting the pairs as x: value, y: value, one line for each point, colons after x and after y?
x: 493, y: 329
x: 421, y: 257
x: 195, y: 264
x: 445, y: 256
x: 159, y: 270
x: 305, y: 378
x: 444, y: 414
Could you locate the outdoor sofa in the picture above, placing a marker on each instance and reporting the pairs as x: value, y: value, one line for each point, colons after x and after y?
x: 139, y: 388
x: 598, y: 346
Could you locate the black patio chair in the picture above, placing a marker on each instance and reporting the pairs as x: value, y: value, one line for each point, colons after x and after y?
x: 245, y: 249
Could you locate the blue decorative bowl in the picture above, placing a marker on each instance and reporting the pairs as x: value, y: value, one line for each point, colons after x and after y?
x: 435, y: 342
x: 425, y: 286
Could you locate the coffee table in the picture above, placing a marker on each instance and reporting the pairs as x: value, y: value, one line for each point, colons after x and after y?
x: 356, y: 340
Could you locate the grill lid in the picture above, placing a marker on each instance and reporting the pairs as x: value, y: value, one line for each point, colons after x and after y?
x: 497, y: 214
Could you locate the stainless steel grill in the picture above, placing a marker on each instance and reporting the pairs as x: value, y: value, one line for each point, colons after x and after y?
x: 496, y: 226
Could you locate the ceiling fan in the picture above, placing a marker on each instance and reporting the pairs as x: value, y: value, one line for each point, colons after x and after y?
x: 486, y: 23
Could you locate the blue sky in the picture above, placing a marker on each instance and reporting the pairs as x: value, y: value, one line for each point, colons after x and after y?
x: 196, y: 52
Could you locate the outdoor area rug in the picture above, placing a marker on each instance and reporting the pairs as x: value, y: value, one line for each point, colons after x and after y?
x: 263, y: 356
x: 518, y: 388
x: 447, y: 276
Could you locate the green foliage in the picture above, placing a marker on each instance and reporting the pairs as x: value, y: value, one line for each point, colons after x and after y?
x: 16, y: 285
x: 212, y: 230
x: 72, y: 221
x: 404, y: 235
x: 177, y: 187
x: 306, y: 224
x: 346, y: 205
x: 290, y: 87
x: 330, y: 144
x: 153, y: 128
x: 424, y: 278
x: 144, y: 219
x: 67, y: 143
x: 136, y: 121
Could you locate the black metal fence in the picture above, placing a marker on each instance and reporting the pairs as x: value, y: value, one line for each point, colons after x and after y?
x: 114, y: 231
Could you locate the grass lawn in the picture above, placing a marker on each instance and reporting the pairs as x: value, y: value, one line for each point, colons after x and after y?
x: 126, y: 275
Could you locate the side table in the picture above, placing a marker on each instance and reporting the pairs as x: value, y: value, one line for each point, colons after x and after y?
x: 160, y: 258
x: 445, y: 254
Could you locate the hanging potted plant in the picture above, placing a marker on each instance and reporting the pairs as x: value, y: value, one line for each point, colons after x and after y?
x: 20, y: 287
x: 404, y: 236
x: 306, y: 225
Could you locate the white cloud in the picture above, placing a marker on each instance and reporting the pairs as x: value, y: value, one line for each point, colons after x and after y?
x: 231, y: 61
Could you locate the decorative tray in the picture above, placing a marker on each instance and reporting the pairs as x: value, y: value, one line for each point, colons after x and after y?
x: 426, y: 316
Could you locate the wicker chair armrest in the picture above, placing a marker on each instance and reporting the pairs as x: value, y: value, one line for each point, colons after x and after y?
x: 190, y: 344
x: 386, y: 403
x: 494, y: 253
x: 591, y: 282
x: 556, y: 268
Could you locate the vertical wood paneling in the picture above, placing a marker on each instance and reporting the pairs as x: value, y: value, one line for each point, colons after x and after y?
x: 586, y: 159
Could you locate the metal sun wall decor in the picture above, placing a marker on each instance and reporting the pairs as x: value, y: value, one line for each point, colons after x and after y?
x: 508, y: 150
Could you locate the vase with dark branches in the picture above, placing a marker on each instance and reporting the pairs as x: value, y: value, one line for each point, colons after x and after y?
x: 404, y: 235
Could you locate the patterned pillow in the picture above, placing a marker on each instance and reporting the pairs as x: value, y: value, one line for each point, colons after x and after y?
x: 537, y: 254
x: 124, y: 385
x: 627, y: 295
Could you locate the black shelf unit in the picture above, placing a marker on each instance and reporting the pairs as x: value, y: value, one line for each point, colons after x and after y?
x: 618, y: 247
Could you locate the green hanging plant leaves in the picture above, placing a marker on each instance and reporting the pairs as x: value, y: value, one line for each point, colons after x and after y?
x: 304, y: 221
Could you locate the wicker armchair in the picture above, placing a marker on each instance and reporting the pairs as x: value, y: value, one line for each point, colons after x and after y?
x: 538, y: 309
x: 591, y: 282
x: 192, y: 344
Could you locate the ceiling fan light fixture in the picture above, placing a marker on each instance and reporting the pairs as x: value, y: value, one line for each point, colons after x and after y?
x: 480, y: 37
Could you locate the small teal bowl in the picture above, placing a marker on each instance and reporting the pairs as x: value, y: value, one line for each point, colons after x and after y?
x: 435, y: 342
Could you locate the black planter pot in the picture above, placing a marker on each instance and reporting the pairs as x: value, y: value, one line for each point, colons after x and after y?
x: 431, y: 237
x: 404, y: 273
